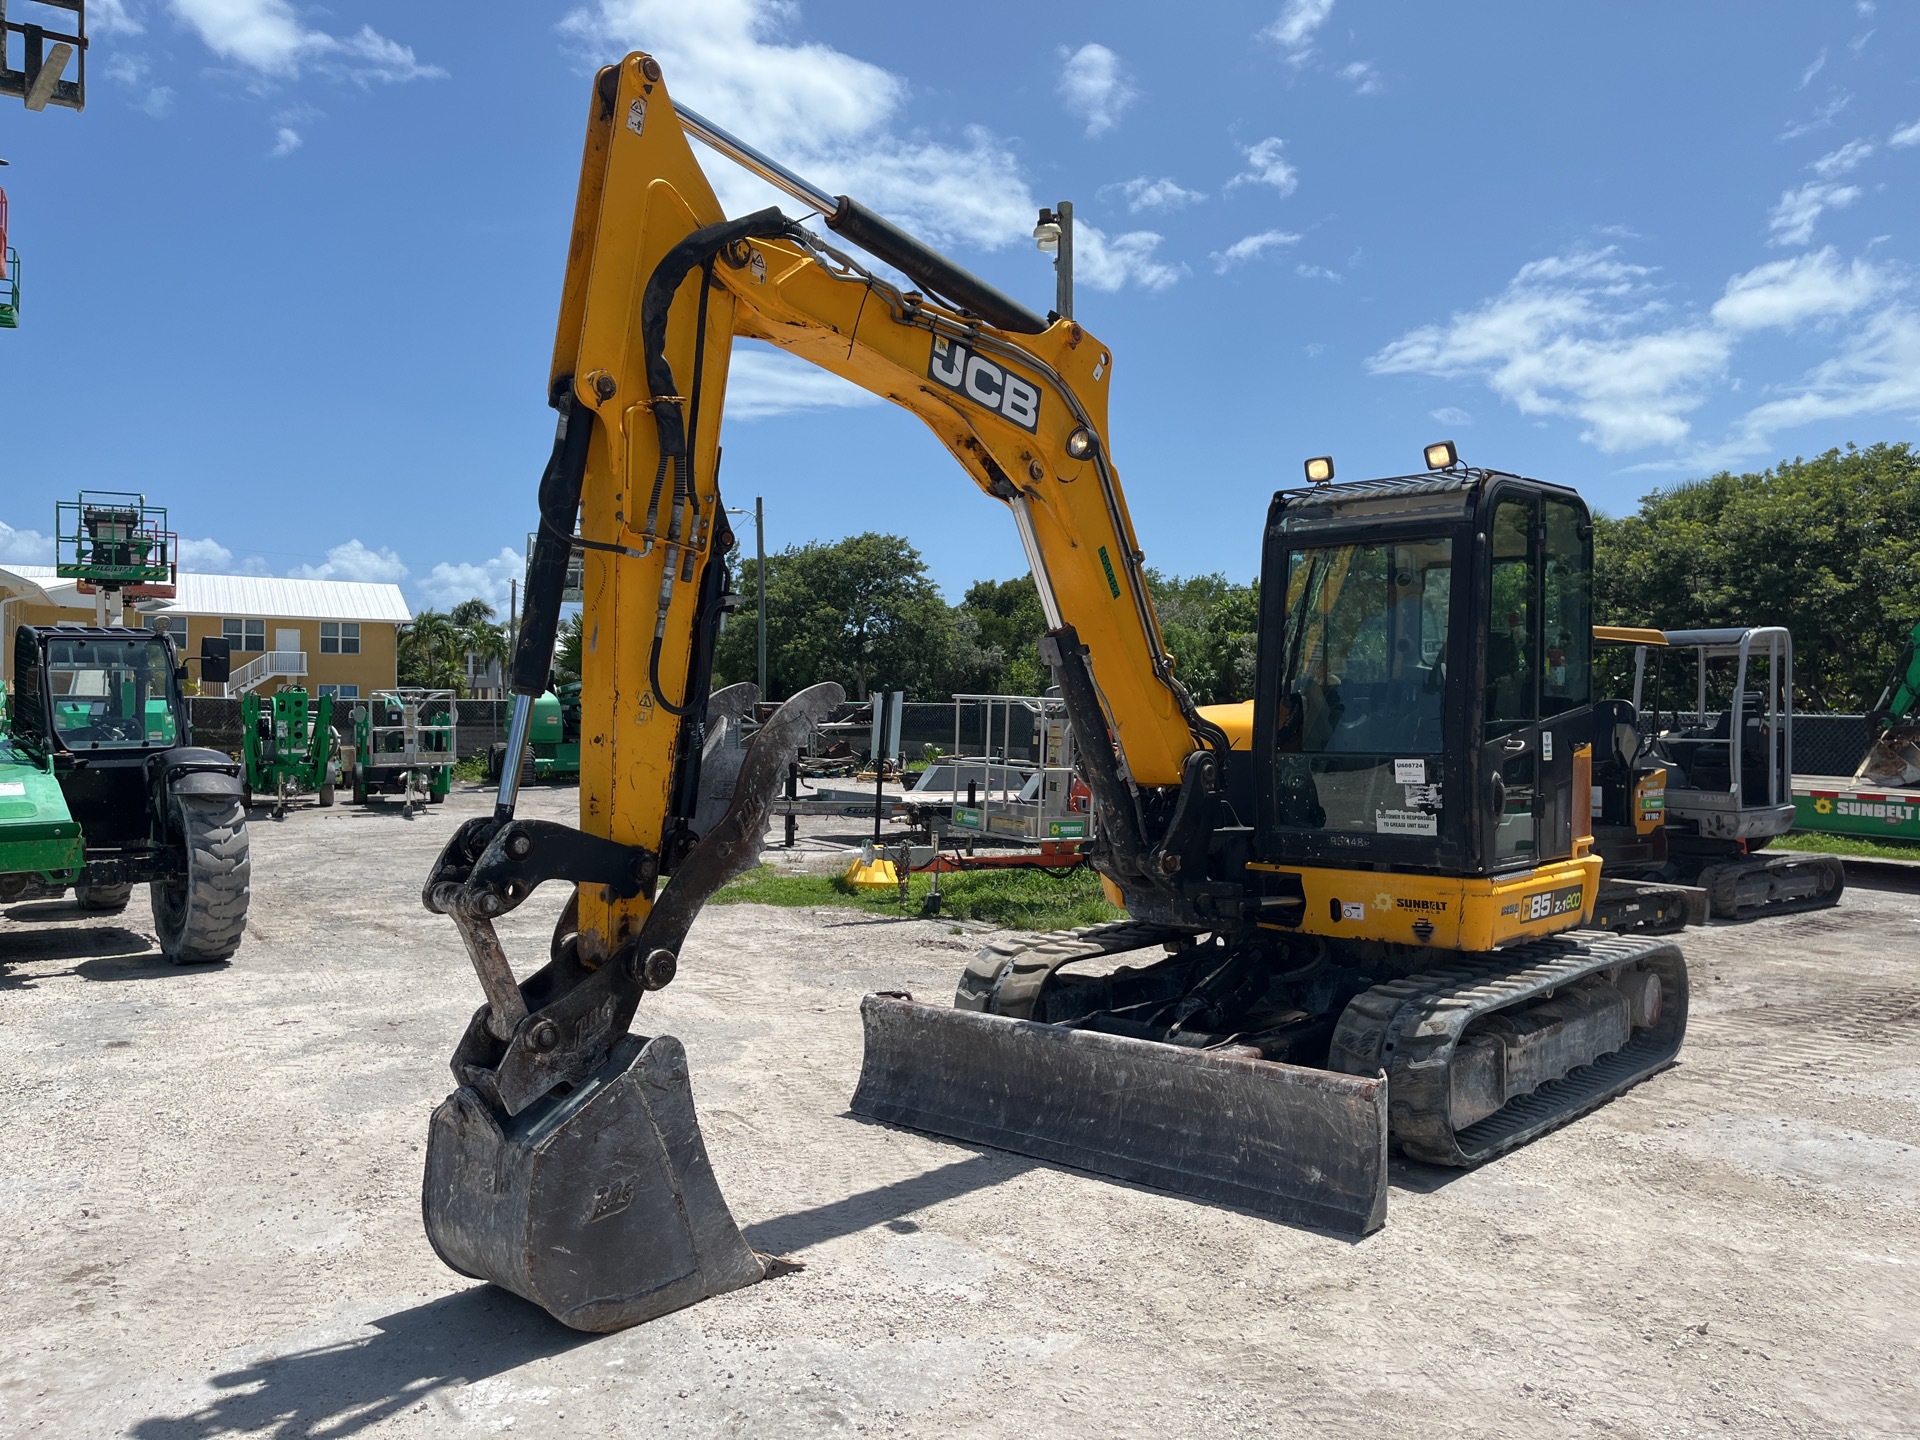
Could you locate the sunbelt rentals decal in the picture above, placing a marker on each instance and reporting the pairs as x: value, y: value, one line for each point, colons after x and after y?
x: 958, y: 368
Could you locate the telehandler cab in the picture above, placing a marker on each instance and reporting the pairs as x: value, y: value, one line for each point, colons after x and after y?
x: 1355, y: 902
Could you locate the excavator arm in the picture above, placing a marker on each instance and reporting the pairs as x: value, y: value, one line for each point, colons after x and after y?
x: 659, y: 283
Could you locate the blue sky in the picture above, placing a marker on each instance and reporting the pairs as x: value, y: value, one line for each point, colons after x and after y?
x: 293, y: 271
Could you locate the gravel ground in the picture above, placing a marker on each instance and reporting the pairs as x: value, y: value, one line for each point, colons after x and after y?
x: 210, y: 1186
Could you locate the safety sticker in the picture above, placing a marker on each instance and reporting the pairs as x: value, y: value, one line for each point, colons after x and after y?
x: 1546, y: 744
x: 1421, y: 797
x: 1409, y: 772
x: 637, y: 117
x: 1353, y: 909
x: 13, y: 787
x: 1405, y: 822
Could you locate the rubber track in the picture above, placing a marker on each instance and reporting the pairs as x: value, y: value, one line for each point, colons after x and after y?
x: 1026, y: 963
x: 1722, y: 883
x: 1409, y: 1029
x: 209, y: 915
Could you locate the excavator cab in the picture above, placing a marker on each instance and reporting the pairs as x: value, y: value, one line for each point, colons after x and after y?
x: 1377, y: 746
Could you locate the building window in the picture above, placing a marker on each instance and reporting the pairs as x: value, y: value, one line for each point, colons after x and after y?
x: 245, y: 634
x: 341, y: 692
x: 339, y: 637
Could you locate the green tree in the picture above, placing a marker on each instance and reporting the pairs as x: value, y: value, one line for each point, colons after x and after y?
x: 567, y: 649
x: 861, y: 611
x: 479, y: 634
x: 430, y: 653
x: 1211, y: 626
x: 997, y: 629
x: 1828, y: 547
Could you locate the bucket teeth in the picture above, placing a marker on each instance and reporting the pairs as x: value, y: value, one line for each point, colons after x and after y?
x: 599, y: 1206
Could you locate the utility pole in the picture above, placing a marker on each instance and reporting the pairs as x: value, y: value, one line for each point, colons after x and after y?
x: 760, y: 582
x: 513, y: 614
x: 1054, y: 236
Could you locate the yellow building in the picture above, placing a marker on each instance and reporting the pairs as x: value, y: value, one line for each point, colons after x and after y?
x: 333, y: 636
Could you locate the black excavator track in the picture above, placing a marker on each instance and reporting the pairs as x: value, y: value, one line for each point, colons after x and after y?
x: 1772, y: 884
x: 1412, y: 1030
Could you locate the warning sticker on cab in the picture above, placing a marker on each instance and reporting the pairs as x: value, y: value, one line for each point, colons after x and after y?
x: 1410, y: 772
x: 1550, y: 904
x: 1405, y: 822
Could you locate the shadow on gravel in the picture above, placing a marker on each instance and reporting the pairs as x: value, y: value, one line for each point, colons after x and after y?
x: 104, y: 952
x: 885, y: 1204
x: 1411, y: 1175
x: 343, y: 1389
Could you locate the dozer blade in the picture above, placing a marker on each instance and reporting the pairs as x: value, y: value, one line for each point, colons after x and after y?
x: 1299, y: 1145
x: 598, y: 1206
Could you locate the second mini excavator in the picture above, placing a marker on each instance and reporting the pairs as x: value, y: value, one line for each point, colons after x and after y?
x: 1354, y: 903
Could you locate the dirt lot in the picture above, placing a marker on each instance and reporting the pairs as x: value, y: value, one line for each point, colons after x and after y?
x: 210, y: 1183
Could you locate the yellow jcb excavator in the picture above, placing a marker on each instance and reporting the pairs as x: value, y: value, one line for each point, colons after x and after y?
x: 1354, y: 901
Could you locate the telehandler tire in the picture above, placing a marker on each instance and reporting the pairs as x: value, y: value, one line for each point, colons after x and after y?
x: 201, y: 917
x: 103, y: 899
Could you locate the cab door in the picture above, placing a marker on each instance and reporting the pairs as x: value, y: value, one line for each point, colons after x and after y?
x: 1538, y: 676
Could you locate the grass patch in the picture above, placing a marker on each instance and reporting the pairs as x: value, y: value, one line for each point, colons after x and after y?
x: 1012, y: 899
x: 474, y: 767
x: 1820, y: 844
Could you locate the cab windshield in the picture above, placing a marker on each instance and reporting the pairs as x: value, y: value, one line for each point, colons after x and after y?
x: 110, y: 694
x: 1363, y: 686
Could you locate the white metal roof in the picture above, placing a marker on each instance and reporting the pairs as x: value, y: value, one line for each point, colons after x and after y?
x: 267, y: 596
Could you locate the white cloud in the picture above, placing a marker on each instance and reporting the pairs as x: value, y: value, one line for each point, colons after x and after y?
x: 24, y: 547
x: 1293, y: 31
x: 1144, y: 193
x: 1819, y: 64
x: 1906, y: 135
x: 112, y: 17
x: 1317, y: 272
x: 1451, y: 415
x: 266, y: 36
x: 1877, y: 372
x: 1820, y: 119
x: 1793, y: 219
x: 765, y: 381
x: 823, y: 113
x: 1806, y: 287
x: 1112, y: 262
x: 1362, y: 76
x: 1839, y: 162
x: 448, y: 583
x: 1267, y: 165
x: 132, y: 72
x: 1251, y: 247
x: 208, y: 557
x: 1586, y: 335
x: 354, y: 561
x: 285, y: 141
x: 1094, y: 87
x: 1559, y: 341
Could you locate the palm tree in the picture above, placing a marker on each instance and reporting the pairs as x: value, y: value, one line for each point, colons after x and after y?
x: 430, y: 652
x: 481, y: 637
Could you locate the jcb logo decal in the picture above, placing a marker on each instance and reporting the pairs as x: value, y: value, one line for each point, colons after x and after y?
x: 985, y: 383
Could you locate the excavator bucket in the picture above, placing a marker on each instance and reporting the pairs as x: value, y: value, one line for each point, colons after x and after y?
x: 568, y: 1166
x: 598, y: 1206
x: 1305, y: 1146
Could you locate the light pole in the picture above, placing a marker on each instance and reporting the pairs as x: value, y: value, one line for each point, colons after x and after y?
x: 1054, y: 236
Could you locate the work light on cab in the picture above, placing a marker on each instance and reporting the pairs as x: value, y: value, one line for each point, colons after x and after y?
x: 1442, y: 456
